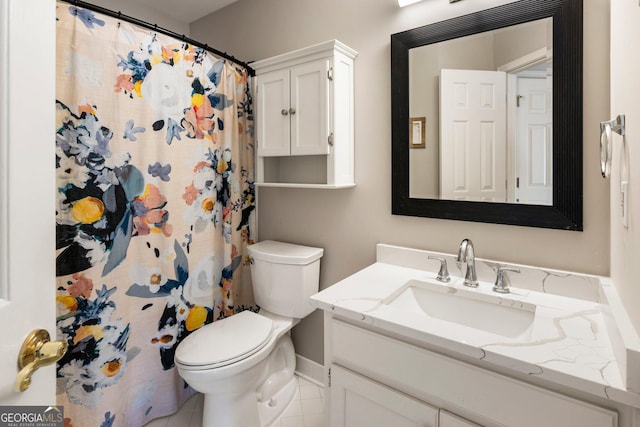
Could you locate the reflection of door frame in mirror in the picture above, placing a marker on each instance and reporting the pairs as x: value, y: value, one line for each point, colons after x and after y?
x: 533, y: 145
x: 536, y: 57
x: 566, y: 211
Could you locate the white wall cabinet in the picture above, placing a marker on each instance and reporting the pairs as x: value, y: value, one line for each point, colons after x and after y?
x: 305, y: 117
x: 379, y: 380
x: 293, y: 111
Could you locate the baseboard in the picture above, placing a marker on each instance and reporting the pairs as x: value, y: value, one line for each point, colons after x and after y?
x: 310, y: 370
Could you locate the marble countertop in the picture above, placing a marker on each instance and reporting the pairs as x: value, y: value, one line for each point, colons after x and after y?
x: 570, y: 343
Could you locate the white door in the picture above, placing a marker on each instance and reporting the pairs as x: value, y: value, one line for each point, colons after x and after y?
x: 273, y: 114
x: 533, y: 165
x: 358, y: 402
x: 27, y: 191
x: 310, y: 108
x: 473, y: 135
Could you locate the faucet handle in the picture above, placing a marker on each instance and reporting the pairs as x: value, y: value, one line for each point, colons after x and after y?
x: 501, y: 286
x: 443, y: 274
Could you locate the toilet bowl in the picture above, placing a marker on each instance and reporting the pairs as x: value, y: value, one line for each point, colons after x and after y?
x: 244, y: 364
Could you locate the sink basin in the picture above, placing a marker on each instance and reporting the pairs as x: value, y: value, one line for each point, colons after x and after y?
x: 493, y: 314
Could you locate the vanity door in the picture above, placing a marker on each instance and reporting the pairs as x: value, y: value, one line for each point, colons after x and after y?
x: 357, y: 401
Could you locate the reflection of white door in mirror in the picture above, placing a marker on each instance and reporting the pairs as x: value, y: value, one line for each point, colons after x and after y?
x: 533, y: 143
x: 473, y: 123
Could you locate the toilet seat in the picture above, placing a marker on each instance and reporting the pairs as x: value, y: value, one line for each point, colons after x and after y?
x: 225, y: 341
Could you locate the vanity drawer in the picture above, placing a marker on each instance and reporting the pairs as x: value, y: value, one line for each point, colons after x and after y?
x: 481, y: 395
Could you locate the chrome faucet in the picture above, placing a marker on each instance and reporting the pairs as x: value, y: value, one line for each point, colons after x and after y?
x: 467, y: 256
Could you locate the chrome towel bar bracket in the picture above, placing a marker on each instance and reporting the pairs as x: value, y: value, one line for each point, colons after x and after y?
x: 616, y: 125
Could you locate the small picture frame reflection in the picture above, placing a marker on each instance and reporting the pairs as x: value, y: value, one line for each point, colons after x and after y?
x: 417, y: 128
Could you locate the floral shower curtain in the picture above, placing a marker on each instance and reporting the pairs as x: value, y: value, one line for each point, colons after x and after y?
x: 155, y: 209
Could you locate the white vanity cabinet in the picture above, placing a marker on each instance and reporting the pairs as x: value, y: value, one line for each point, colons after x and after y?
x: 305, y: 117
x: 358, y: 401
x: 378, y: 380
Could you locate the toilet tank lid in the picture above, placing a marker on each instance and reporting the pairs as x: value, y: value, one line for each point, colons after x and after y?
x: 284, y: 253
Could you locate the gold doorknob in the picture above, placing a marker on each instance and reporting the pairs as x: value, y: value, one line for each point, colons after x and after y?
x: 37, y: 351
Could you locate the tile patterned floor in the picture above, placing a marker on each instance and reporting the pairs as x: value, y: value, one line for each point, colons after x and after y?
x: 305, y: 410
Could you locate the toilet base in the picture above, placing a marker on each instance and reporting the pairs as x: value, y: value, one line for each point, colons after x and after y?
x: 216, y: 411
x: 270, y: 410
x: 237, y: 403
x: 234, y: 411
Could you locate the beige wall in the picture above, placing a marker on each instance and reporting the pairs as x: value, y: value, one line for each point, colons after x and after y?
x: 424, y: 163
x: 515, y: 42
x: 625, y: 87
x: 348, y: 223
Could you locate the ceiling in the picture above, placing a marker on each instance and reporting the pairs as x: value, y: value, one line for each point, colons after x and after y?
x: 185, y: 10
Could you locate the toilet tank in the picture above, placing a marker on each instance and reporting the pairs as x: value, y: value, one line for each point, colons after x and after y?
x: 284, y: 277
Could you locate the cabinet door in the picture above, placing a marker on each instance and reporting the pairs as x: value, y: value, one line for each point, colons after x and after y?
x: 358, y: 402
x: 449, y: 420
x: 273, y: 114
x: 310, y: 108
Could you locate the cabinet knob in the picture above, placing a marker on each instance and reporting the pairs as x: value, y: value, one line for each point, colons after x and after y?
x: 292, y: 111
x: 284, y: 112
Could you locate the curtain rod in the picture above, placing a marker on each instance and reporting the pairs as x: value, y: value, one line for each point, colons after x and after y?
x: 154, y: 27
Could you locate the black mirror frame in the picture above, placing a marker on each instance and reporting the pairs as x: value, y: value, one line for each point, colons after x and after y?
x: 566, y: 211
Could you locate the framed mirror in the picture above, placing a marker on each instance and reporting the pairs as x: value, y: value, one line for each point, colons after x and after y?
x: 460, y: 87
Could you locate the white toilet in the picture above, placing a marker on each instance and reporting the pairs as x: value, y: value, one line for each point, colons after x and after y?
x: 244, y: 364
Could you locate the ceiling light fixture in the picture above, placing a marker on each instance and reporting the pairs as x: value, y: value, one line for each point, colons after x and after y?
x: 403, y: 3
